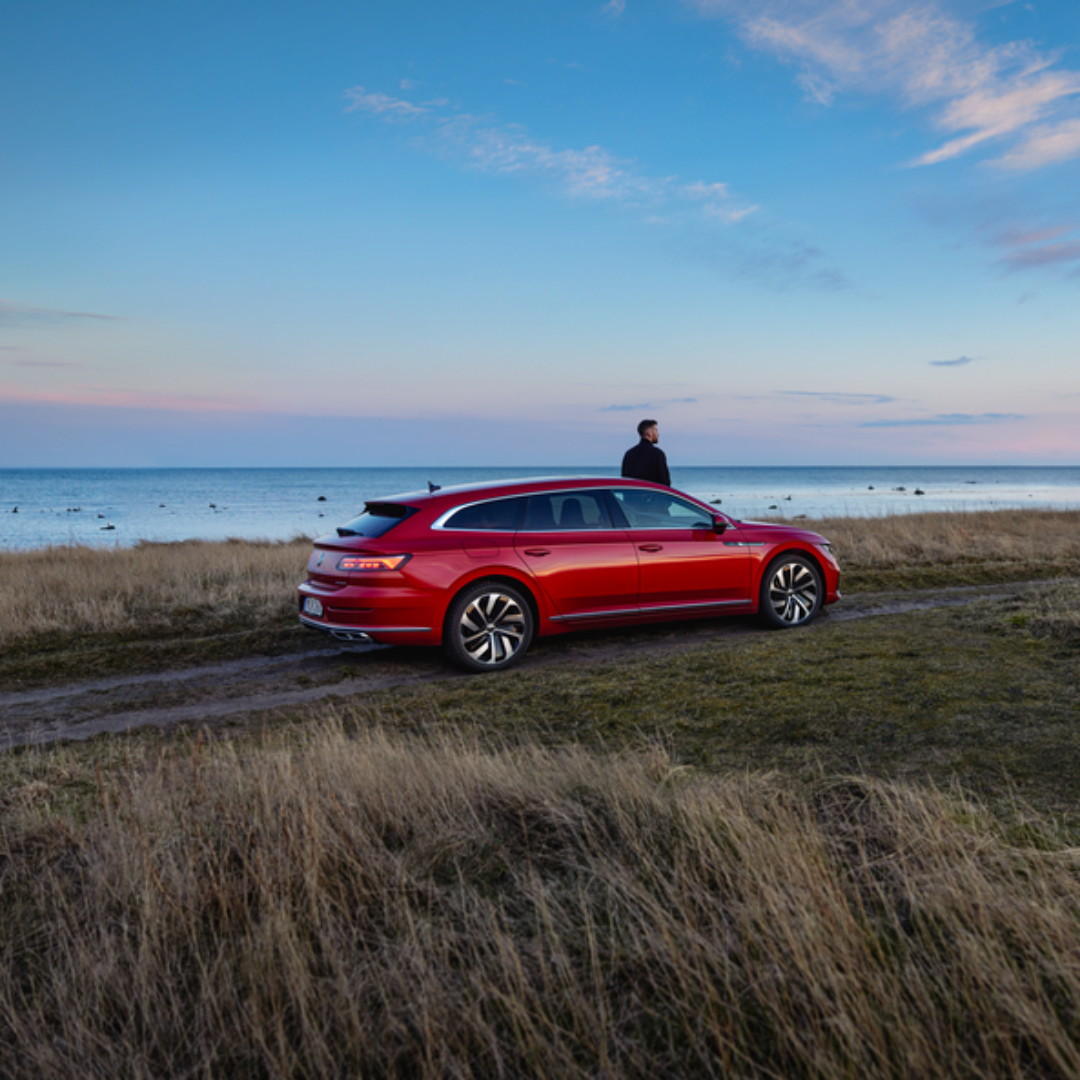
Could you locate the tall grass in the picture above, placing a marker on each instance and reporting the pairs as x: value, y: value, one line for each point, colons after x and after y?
x: 1051, y: 536
x: 153, y: 586
x: 150, y: 586
x: 387, y: 907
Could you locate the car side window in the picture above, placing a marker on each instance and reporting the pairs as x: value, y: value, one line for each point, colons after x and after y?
x: 567, y: 511
x: 648, y: 509
x: 497, y: 515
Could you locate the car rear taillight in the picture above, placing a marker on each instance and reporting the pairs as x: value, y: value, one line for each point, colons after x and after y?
x: 373, y: 562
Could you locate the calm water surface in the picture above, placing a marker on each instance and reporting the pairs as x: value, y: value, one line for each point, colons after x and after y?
x: 65, y: 506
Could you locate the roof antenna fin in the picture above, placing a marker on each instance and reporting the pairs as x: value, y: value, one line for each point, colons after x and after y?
x: 433, y: 487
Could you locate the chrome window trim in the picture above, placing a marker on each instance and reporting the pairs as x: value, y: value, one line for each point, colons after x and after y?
x: 440, y: 522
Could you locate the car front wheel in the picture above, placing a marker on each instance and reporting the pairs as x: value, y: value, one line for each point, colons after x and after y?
x: 488, y: 627
x: 791, y: 592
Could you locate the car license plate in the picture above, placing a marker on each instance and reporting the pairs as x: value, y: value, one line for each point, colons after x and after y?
x: 312, y: 606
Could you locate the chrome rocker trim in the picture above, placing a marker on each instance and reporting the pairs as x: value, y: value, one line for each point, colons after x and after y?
x: 650, y: 610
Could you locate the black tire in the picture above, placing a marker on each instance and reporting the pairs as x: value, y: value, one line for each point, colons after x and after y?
x: 488, y: 627
x: 792, y: 591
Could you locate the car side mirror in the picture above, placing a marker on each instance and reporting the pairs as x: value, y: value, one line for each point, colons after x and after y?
x: 719, y: 525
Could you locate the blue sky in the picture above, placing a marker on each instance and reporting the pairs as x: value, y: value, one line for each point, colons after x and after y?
x: 425, y: 233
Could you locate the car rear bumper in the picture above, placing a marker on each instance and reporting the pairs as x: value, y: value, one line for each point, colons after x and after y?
x: 359, y: 615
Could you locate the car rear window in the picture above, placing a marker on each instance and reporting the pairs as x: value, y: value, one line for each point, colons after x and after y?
x: 376, y: 520
x: 496, y: 515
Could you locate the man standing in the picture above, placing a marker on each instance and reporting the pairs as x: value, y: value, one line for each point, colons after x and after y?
x: 647, y: 461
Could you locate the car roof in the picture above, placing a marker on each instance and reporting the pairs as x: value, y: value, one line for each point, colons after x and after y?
x: 523, y: 486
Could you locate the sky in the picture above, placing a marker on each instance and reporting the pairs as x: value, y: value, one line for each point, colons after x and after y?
x: 373, y: 233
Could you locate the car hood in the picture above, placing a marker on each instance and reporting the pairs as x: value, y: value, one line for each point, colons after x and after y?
x: 770, y: 532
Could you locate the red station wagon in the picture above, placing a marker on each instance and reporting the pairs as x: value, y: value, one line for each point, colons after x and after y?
x: 482, y: 569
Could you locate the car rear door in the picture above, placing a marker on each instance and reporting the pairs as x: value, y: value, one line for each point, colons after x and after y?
x: 684, y: 562
x: 585, y: 564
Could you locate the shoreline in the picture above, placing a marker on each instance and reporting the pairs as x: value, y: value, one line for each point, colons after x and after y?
x: 101, y: 508
x: 783, y: 511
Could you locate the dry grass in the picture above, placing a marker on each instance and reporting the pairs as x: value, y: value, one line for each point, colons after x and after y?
x: 1053, y: 613
x: 391, y: 907
x: 243, y: 585
x: 1051, y: 536
x: 80, y: 589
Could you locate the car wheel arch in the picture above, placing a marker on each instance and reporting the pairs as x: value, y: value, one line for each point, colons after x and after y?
x: 498, y: 578
x: 779, y: 552
x: 790, y: 617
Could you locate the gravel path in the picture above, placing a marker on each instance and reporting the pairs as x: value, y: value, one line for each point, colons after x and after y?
x: 230, y: 690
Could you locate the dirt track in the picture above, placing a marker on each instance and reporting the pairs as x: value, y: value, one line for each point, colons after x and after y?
x: 229, y: 691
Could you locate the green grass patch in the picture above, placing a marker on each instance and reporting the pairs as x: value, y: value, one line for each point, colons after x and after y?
x: 968, y: 692
x: 56, y: 658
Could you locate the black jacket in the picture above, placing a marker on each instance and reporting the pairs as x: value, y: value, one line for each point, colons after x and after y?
x: 646, y: 461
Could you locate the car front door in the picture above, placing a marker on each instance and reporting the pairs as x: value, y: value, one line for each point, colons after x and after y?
x: 684, y: 561
x: 586, y: 565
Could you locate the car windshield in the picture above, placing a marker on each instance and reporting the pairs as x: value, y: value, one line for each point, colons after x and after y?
x: 376, y: 520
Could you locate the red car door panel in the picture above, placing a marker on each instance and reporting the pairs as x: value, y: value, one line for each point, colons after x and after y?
x: 683, y: 560
x: 586, y: 567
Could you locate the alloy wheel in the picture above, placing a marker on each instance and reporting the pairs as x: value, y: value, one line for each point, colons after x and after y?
x: 492, y: 629
x: 793, y: 593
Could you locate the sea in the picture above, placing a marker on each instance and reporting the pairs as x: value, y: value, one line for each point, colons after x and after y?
x: 121, y: 507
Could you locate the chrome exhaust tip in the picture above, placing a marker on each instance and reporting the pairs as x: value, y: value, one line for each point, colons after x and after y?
x: 355, y: 637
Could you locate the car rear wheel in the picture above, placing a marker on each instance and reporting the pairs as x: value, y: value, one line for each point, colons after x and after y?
x: 791, y: 592
x: 488, y: 627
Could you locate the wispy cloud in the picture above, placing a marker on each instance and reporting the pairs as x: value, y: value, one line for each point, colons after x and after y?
x: 614, y: 8
x: 12, y: 314
x: 590, y: 172
x: 1043, y: 255
x: 43, y: 364
x: 389, y: 108
x: 1021, y: 235
x: 1054, y: 246
x: 705, y: 221
x: 960, y: 361
x: 767, y: 256
x: 946, y: 420
x: 926, y: 58
x: 649, y: 404
x: 1046, y: 145
x: 716, y: 202
x: 840, y: 398
x: 90, y: 394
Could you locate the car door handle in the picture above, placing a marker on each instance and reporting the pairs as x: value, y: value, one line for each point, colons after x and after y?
x: 538, y: 551
x: 650, y: 547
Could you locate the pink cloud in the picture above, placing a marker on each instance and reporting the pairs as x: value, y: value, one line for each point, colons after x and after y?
x: 926, y: 58
x: 84, y: 394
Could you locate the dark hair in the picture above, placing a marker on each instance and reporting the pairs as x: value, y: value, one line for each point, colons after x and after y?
x: 644, y: 426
